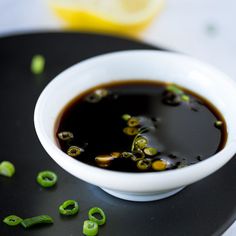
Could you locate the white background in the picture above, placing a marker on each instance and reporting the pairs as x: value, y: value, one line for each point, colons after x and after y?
x: 182, y: 26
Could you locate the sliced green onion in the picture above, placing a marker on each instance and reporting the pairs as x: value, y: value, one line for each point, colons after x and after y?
x: 102, y: 217
x: 12, y: 220
x: 150, y: 151
x: 69, y: 207
x: 93, y: 98
x: 133, y: 122
x: 138, y: 155
x: 102, y: 92
x: 7, y: 169
x: 127, y: 154
x: 65, y: 135
x: 104, y: 160
x: 138, y: 135
x: 185, y: 98
x: 144, y: 164
x: 90, y: 228
x: 174, y: 89
x: 97, y: 95
x: 37, y: 64
x: 159, y: 165
x: 115, y: 154
x: 47, y: 178
x: 126, y: 117
x: 218, y: 123
x: 131, y: 131
x: 141, y: 142
x: 42, y: 219
x: 74, y: 151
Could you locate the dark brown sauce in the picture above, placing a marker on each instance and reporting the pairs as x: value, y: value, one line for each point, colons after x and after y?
x: 182, y: 132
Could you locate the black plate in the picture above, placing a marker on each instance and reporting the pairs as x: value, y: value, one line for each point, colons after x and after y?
x: 202, y: 209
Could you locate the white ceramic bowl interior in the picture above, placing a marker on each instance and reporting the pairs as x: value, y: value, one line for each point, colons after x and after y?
x: 129, y: 65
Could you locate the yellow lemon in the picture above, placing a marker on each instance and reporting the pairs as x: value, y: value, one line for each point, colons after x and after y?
x: 114, y: 16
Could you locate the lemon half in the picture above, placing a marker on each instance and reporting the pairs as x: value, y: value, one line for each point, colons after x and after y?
x: 117, y: 16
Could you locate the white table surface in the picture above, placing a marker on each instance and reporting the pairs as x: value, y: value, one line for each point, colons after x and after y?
x: 182, y: 26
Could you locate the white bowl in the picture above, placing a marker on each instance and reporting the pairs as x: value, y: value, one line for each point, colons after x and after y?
x: 129, y: 65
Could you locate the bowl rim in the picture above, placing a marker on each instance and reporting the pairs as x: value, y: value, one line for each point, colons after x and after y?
x: 98, y: 175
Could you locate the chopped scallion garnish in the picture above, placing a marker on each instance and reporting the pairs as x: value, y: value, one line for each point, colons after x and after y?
x: 127, y: 154
x: 74, y: 151
x: 150, y: 151
x: 65, y: 135
x: 159, y: 165
x: 133, y: 122
x: 138, y: 155
x: 104, y: 160
x: 141, y: 142
x: 7, y: 169
x: 174, y: 89
x: 126, y: 117
x: 90, y: 228
x: 102, y: 92
x: 131, y: 131
x: 144, y: 164
x: 47, y: 179
x: 42, y: 219
x: 37, y: 64
x: 93, y: 98
x: 175, y: 95
x: 218, y: 123
x: 102, y: 217
x: 69, y: 207
x: 185, y: 98
x: 97, y: 95
x: 12, y: 220
x: 115, y: 154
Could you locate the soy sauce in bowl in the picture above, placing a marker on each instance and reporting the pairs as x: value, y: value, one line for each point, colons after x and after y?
x: 140, y: 126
